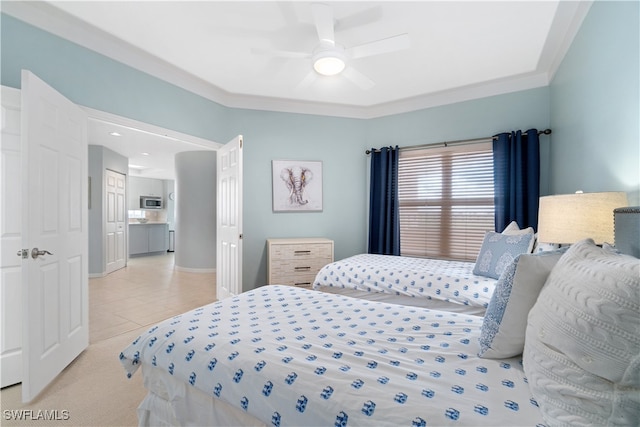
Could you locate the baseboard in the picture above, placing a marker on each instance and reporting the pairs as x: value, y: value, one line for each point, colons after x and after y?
x: 194, y: 270
x: 97, y: 275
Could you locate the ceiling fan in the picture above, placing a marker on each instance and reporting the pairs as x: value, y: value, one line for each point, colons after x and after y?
x: 330, y: 58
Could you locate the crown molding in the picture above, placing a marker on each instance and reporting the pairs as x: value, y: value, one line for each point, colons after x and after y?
x: 566, y: 24
x: 48, y: 18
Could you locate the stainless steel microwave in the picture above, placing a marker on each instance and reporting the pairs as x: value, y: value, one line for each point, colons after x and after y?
x: 150, y: 202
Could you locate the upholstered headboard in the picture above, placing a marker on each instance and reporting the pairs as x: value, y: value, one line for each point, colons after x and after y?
x: 627, y: 230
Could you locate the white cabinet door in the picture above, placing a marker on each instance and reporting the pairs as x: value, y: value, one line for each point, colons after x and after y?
x: 139, y: 186
x: 156, y: 187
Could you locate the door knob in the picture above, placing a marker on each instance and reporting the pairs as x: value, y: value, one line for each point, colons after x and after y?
x: 35, y: 253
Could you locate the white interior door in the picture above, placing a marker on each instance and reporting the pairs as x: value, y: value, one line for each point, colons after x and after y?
x: 229, y: 219
x: 54, y: 283
x: 116, y: 227
x: 10, y: 240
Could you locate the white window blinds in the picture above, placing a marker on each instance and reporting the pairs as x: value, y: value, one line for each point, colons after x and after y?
x: 446, y: 200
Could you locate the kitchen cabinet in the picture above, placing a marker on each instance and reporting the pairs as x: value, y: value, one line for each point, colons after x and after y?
x: 138, y: 239
x: 144, y: 187
x: 158, y: 237
x: 295, y: 262
x: 148, y: 238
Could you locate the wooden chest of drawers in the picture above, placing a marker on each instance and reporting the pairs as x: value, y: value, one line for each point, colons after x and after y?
x: 295, y: 262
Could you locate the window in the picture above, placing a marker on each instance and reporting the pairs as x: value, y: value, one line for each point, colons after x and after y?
x: 446, y: 200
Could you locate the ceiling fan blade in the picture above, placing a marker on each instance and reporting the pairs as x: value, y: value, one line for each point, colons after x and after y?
x: 358, y: 78
x: 281, y: 53
x: 323, y: 20
x: 390, y: 44
x: 306, y: 82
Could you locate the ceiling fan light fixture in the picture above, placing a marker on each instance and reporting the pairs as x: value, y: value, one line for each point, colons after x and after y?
x: 329, y: 66
x: 329, y: 62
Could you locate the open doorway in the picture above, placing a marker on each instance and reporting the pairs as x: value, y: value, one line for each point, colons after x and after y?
x: 148, y: 152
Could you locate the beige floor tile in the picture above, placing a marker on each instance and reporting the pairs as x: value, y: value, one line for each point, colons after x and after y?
x: 146, y: 291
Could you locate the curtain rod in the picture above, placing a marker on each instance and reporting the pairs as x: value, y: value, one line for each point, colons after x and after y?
x: 459, y: 142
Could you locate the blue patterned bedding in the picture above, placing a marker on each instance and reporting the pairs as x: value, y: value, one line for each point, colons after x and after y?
x: 290, y: 356
x: 432, y: 283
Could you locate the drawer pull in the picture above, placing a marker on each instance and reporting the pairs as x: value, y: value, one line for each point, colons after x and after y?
x: 302, y: 284
x: 301, y: 252
x: 302, y: 268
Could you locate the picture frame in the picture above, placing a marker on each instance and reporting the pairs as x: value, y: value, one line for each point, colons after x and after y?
x: 296, y: 185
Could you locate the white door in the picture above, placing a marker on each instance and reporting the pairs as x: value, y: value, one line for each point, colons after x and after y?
x: 229, y: 219
x: 10, y: 240
x: 116, y: 227
x: 54, y: 283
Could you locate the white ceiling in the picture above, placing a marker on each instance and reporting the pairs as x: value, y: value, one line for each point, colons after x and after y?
x: 459, y: 50
x: 151, y: 150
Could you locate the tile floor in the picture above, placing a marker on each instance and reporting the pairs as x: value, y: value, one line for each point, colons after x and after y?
x: 146, y: 291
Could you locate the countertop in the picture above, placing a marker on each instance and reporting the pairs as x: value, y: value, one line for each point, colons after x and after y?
x: 148, y: 223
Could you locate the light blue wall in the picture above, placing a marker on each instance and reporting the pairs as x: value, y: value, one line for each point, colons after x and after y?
x: 196, y: 197
x: 577, y: 100
x: 594, y: 105
x: 340, y: 144
x: 93, y: 80
x: 337, y: 143
x: 468, y: 120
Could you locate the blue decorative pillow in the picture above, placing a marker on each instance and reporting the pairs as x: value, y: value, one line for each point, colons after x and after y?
x: 505, y: 321
x: 498, y: 251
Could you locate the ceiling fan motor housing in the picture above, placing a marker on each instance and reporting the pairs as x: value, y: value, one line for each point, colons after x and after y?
x: 329, y: 59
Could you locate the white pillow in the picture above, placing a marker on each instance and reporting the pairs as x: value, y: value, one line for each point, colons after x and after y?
x: 513, y: 229
x: 582, y: 345
x: 505, y: 321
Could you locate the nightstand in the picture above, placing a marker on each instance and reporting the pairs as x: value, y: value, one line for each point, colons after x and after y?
x: 295, y: 262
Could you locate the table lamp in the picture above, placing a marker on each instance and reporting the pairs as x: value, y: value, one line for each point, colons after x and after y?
x: 569, y: 218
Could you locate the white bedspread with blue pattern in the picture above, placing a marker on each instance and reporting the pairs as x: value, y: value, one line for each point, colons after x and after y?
x: 289, y: 356
x: 436, y: 280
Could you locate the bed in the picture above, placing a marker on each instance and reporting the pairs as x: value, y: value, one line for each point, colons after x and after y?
x: 559, y: 345
x: 422, y: 282
x: 280, y: 355
x: 454, y: 286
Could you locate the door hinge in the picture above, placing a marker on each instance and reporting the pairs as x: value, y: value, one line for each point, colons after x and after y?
x: 23, y: 253
x: 240, y: 237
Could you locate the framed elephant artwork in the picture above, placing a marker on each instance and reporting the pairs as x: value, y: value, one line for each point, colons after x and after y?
x: 297, y: 185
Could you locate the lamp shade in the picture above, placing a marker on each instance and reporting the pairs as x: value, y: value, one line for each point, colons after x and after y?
x: 569, y: 218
